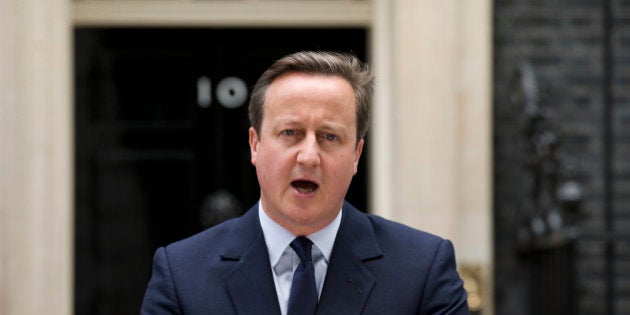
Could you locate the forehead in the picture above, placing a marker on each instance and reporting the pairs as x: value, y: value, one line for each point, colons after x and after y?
x: 309, y: 79
x: 297, y: 85
x: 315, y: 95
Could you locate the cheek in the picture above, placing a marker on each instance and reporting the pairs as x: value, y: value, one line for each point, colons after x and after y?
x: 270, y: 165
x: 344, y: 171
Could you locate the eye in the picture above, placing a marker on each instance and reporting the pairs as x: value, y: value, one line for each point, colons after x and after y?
x: 288, y: 132
x: 330, y: 137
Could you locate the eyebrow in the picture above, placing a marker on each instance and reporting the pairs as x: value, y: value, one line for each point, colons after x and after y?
x: 332, y: 126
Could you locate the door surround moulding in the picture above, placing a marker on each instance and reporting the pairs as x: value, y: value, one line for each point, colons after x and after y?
x: 247, y: 13
x: 459, y: 206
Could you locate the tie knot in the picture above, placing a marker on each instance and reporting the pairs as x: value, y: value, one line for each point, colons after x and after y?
x: 302, y: 247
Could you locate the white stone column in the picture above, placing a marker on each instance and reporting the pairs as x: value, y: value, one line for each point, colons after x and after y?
x: 426, y: 120
x: 381, y: 132
x: 474, y: 209
x: 431, y: 145
x: 35, y: 158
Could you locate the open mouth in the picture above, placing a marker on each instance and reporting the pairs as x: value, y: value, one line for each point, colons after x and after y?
x: 304, y: 186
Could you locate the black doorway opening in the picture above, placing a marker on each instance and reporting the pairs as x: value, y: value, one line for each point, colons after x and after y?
x: 159, y: 154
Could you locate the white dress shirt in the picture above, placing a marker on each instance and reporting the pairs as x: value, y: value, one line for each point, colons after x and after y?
x: 284, y: 260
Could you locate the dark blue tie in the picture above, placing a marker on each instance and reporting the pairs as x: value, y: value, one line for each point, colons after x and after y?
x: 303, y: 297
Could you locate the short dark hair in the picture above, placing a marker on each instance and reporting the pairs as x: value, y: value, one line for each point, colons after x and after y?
x: 346, y: 66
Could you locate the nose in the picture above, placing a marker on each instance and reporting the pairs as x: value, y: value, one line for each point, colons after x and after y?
x: 309, y: 151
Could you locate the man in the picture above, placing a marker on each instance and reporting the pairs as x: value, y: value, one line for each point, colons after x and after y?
x: 302, y: 249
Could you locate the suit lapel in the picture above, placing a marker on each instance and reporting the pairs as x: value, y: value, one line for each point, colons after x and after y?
x: 250, y: 284
x: 348, y: 281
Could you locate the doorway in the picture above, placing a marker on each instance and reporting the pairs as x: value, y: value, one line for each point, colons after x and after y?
x: 161, y: 146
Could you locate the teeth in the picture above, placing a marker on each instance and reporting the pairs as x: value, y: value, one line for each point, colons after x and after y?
x: 304, y: 186
x: 304, y: 189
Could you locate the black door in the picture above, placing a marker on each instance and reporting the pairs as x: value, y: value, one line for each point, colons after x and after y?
x: 161, y: 143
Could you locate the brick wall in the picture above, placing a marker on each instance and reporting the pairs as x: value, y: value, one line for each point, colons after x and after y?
x: 567, y: 44
x: 621, y: 152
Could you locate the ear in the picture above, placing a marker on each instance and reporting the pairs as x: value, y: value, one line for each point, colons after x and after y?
x: 253, y: 144
x: 357, y: 155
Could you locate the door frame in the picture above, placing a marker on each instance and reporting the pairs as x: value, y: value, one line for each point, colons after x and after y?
x: 444, y: 189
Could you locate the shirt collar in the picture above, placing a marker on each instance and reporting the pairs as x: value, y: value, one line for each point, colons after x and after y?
x: 278, y: 238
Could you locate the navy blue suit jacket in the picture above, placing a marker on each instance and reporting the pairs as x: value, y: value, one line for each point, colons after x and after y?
x: 376, y: 267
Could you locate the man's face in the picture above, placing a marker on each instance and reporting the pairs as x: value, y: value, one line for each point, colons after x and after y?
x: 307, y: 151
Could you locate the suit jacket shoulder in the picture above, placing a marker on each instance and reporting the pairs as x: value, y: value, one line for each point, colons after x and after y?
x: 397, y: 269
x: 222, y: 270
